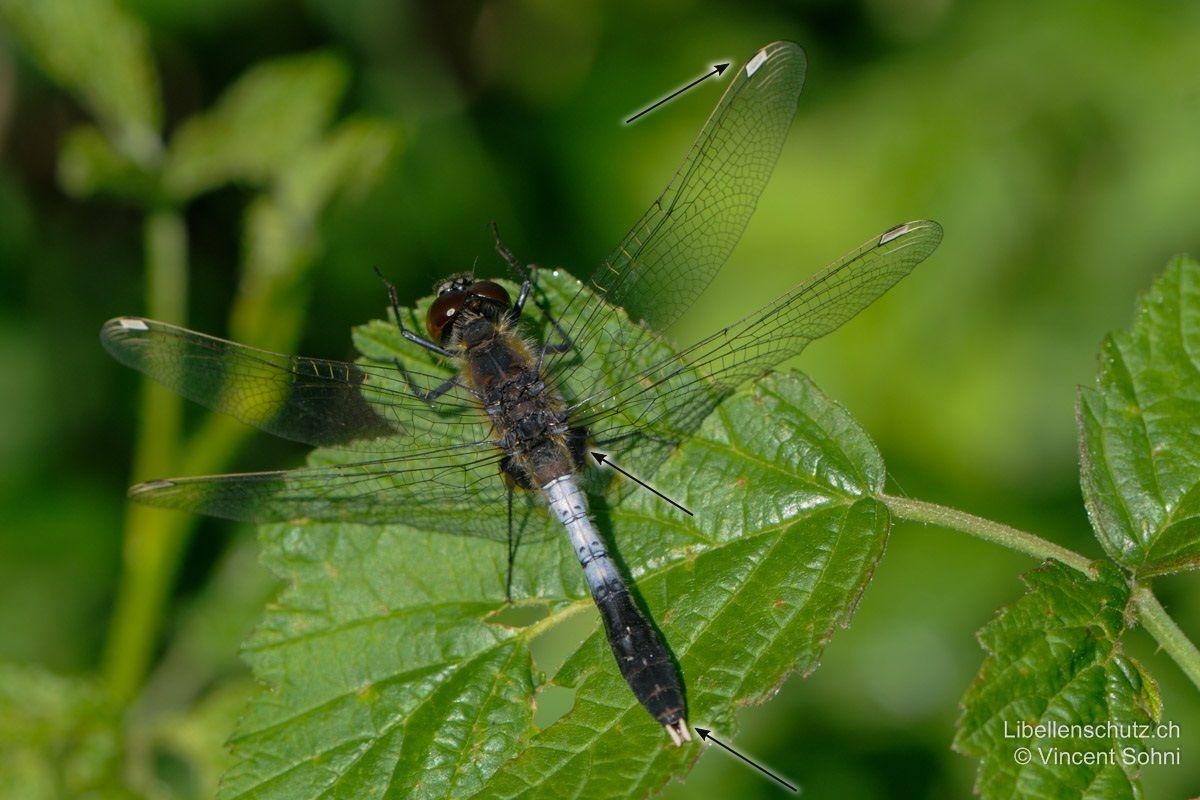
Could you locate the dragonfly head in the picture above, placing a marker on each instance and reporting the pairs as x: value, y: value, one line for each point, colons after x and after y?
x: 462, y: 293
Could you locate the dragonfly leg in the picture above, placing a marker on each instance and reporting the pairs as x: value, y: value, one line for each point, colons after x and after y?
x: 433, y: 347
x: 393, y: 297
x: 394, y: 302
x: 519, y: 306
x: 565, y: 345
x: 528, y: 278
x: 508, y: 257
x: 512, y: 548
x: 428, y: 396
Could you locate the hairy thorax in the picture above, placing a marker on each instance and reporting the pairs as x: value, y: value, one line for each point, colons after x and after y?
x: 526, y: 415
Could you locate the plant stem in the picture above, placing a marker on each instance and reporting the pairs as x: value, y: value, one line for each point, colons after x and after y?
x: 1153, y: 617
x: 986, y: 529
x: 153, y: 538
x: 1166, y: 632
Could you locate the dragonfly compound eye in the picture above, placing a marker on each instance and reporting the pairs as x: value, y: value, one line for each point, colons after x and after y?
x: 489, y: 290
x: 443, y: 312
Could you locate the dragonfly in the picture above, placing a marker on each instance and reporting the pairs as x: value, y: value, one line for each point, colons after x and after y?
x: 494, y: 420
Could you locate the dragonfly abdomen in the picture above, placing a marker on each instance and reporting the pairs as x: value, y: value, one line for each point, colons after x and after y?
x: 643, y: 659
x: 542, y: 451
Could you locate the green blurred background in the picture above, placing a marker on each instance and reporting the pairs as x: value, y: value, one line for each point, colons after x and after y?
x: 1058, y: 143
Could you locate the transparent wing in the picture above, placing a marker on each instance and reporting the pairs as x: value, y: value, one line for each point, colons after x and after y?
x: 436, y: 467
x: 310, y: 400
x: 454, y: 490
x: 639, y: 414
x: 674, y: 251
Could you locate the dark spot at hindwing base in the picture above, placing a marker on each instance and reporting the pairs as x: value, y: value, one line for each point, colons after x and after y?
x: 514, y: 474
x: 577, y: 444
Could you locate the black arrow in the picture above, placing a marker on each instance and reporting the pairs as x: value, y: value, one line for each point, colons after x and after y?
x: 704, y: 734
x: 603, y: 459
x: 717, y: 70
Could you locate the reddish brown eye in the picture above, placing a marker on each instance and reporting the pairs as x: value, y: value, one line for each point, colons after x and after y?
x: 491, y: 291
x: 442, y: 312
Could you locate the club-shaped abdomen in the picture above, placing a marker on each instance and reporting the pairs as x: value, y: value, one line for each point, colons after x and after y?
x: 641, y: 655
x: 643, y: 659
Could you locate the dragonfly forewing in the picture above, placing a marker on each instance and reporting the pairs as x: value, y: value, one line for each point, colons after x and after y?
x: 309, y: 400
x: 389, y: 456
x: 673, y: 252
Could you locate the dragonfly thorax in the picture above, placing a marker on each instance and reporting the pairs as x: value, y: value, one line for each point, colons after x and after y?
x: 527, y: 416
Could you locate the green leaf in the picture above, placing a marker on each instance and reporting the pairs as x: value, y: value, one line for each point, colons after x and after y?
x: 1054, y: 658
x: 388, y: 672
x: 259, y: 128
x: 281, y: 237
x: 101, y: 54
x: 59, y: 737
x: 1140, y: 431
x: 349, y: 160
x: 88, y: 165
x: 182, y: 752
x: 280, y: 225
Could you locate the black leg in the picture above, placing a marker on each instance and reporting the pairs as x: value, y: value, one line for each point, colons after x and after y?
x: 421, y: 394
x: 440, y: 389
x: 393, y: 298
x: 527, y: 276
x: 394, y: 301
x: 528, y: 280
x: 519, y: 306
x: 564, y: 346
x: 433, y: 347
x: 526, y: 293
x: 428, y: 396
x: 507, y: 255
x: 512, y: 548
